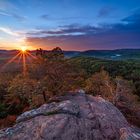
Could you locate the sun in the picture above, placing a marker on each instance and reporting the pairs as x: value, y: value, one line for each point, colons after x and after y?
x: 23, y: 55
x: 23, y: 49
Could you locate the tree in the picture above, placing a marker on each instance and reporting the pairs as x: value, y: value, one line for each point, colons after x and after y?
x: 44, y: 62
x: 137, y: 86
x: 60, y: 78
x: 55, y: 54
x: 127, y: 101
x: 40, y: 52
x: 55, y: 74
x: 124, y: 93
x: 100, y: 84
x: 5, y: 79
x: 21, y: 89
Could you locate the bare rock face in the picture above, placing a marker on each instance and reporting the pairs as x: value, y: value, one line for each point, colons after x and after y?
x: 76, y: 117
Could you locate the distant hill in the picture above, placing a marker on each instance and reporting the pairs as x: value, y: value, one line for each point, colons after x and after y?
x: 108, y: 54
x: 119, y: 54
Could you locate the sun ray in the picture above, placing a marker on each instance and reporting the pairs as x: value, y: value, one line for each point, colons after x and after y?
x: 20, y: 57
x: 10, y: 61
x: 23, y: 57
x: 31, y: 55
x: 29, y: 58
x: 24, y: 64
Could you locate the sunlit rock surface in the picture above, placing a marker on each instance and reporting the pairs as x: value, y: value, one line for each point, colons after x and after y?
x: 75, y: 117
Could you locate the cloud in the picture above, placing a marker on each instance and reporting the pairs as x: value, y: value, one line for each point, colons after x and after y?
x: 6, y: 5
x: 84, y: 42
x: 105, y: 11
x: 7, y: 8
x: 19, y: 17
x: 2, y: 13
x: 9, y: 31
x: 73, y: 29
x: 13, y: 15
x: 132, y: 18
x: 125, y: 34
x: 47, y: 17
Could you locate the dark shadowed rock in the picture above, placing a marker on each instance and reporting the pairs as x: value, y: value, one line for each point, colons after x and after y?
x: 76, y: 117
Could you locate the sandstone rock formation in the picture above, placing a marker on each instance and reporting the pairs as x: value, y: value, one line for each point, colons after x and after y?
x: 75, y: 117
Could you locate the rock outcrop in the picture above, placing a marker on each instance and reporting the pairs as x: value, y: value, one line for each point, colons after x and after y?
x: 75, y: 117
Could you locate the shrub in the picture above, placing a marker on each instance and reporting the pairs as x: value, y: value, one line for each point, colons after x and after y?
x: 21, y: 88
x: 3, y: 111
x: 100, y: 84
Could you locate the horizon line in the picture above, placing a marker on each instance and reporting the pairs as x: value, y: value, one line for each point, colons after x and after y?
x: 74, y: 50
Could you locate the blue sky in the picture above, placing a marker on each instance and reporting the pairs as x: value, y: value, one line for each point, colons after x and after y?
x: 70, y: 24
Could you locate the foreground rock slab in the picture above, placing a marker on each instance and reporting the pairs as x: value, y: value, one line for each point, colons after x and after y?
x: 75, y: 117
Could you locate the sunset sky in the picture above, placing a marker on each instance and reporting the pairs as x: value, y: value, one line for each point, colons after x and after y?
x: 70, y: 24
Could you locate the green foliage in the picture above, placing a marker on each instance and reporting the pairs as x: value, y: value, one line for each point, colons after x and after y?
x: 128, y: 69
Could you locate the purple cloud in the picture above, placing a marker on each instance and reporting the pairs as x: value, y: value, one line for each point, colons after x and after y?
x: 77, y: 37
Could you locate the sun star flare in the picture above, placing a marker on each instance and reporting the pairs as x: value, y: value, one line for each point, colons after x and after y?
x: 23, y: 49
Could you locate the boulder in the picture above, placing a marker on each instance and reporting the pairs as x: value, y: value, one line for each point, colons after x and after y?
x: 75, y: 117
